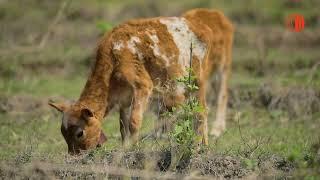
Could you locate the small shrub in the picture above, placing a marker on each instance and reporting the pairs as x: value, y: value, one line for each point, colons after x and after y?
x: 183, y: 137
x: 183, y: 133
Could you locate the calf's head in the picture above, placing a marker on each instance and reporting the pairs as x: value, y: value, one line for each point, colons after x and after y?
x: 80, y: 127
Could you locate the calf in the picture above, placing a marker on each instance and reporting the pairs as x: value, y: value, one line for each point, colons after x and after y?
x: 143, y: 57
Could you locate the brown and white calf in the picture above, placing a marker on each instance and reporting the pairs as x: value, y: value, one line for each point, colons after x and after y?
x: 143, y: 57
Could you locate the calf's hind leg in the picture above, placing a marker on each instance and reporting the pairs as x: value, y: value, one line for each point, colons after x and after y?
x: 124, y: 123
x: 219, y: 124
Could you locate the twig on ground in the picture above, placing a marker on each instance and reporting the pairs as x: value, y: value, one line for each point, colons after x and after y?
x: 313, y: 71
x: 238, y: 115
x: 258, y: 142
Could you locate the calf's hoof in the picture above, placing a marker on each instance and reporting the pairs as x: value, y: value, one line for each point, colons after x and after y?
x: 216, y: 131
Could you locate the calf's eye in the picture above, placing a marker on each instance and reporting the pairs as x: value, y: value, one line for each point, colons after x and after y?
x: 79, y: 134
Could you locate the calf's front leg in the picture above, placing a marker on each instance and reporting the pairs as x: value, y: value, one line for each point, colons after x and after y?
x: 140, y: 101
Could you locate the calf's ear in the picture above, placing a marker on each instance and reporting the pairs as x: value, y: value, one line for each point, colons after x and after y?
x: 86, y: 113
x: 102, y: 139
x: 58, y: 106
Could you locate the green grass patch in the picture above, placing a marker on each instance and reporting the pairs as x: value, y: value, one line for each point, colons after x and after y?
x: 258, y: 133
x: 43, y: 86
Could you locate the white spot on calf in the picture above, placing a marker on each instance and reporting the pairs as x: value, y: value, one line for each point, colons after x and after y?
x: 153, y: 37
x: 131, y: 44
x: 183, y: 37
x: 118, y: 45
x: 180, y: 89
x: 156, y: 49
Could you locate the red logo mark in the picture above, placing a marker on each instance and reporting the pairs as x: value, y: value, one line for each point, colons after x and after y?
x: 295, y: 22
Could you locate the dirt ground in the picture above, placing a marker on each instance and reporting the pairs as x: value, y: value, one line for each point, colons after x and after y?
x: 201, y: 165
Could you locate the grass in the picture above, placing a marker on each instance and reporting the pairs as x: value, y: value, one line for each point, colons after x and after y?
x: 278, y: 135
x: 31, y: 137
x: 43, y: 86
x: 41, y: 132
